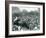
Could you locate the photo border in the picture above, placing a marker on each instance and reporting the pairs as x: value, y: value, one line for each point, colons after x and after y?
x: 7, y: 18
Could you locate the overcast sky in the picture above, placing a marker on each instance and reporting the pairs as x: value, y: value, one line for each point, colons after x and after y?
x: 26, y: 7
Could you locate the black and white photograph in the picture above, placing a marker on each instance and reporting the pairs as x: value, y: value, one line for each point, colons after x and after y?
x: 25, y: 18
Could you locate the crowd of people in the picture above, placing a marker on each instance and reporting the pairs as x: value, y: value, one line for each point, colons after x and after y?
x: 25, y: 23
